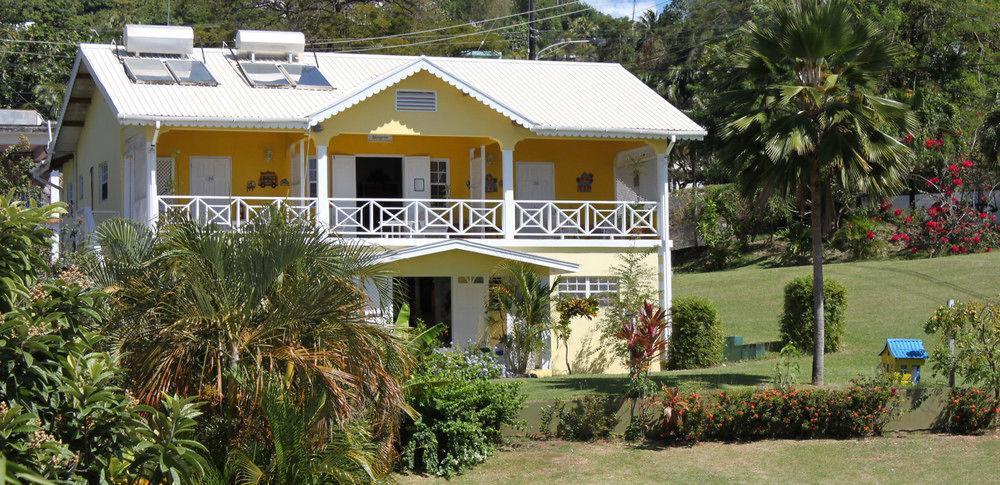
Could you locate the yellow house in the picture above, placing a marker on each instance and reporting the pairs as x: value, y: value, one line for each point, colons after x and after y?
x: 452, y: 165
x: 903, y: 357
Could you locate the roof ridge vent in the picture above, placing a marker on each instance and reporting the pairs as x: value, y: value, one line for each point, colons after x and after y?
x: 159, y: 39
x: 270, y: 43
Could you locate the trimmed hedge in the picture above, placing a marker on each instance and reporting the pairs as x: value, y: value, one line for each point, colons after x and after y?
x: 797, y: 324
x: 696, y: 334
x: 861, y: 410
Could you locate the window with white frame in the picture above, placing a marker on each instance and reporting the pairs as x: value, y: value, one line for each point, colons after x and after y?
x: 311, y: 178
x: 104, y: 175
x: 439, y: 179
x: 587, y: 286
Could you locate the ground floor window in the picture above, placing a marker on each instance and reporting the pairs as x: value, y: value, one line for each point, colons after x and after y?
x: 104, y: 177
x: 587, y: 286
x: 311, y: 178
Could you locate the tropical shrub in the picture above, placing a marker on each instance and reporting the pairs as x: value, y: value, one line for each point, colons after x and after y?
x: 861, y: 410
x: 695, y: 335
x: 644, y: 338
x: 24, y: 243
x: 975, y: 328
x: 797, y: 323
x: 959, y: 220
x: 199, y: 310
x: 636, y: 285
x: 461, y: 409
x: 590, y: 418
x: 970, y: 411
x: 570, y: 307
x: 719, y: 237
x: 861, y: 237
x: 525, y: 296
x: 168, y: 451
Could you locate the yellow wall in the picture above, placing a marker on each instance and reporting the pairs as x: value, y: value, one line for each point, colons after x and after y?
x: 586, y: 352
x: 247, y: 150
x: 457, y: 115
x: 100, y: 141
x: 573, y: 157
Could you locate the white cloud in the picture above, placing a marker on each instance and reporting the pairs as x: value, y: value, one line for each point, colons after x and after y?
x: 622, y: 8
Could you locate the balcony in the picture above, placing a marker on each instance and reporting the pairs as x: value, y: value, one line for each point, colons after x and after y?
x: 435, y: 218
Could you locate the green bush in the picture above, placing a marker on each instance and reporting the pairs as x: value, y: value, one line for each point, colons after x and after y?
x: 696, y: 334
x: 719, y: 236
x: 590, y: 418
x: 797, y: 325
x: 861, y: 410
x: 970, y: 411
x: 861, y: 238
x: 462, y: 410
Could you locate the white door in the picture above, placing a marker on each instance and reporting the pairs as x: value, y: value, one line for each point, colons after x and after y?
x: 416, y: 185
x: 345, y: 215
x: 211, y: 179
x: 468, y: 310
x: 135, y: 165
x: 535, y: 182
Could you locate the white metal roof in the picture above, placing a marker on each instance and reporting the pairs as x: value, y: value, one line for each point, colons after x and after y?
x: 548, y: 98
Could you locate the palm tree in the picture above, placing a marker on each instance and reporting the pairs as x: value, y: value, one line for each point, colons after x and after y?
x: 198, y: 306
x: 805, y: 120
x: 524, y: 296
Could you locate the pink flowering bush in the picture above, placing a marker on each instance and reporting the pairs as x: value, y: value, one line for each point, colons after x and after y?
x: 970, y: 411
x: 959, y: 220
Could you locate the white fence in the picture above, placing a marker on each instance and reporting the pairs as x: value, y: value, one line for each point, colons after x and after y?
x: 434, y: 218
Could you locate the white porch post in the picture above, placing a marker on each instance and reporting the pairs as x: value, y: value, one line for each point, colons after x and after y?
x: 322, y: 187
x: 508, y: 193
x: 152, y: 209
x: 663, y: 227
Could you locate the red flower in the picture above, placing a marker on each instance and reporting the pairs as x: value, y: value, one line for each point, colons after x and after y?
x: 870, y: 235
x: 908, y: 219
x: 967, y: 163
x: 989, y: 249
x: 898, y: 212
x: 908, y: 138
x: 953, y: 168
x: 954, y: 248
x: 957, y: 181
x: 933, y: 181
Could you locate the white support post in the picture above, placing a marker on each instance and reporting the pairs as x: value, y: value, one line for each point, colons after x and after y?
x: 322, y: 187
x: 663, y: 226
x: 152, y: 197
x: 303, y: 170
x: 55, y: 181
x: 508, y: 193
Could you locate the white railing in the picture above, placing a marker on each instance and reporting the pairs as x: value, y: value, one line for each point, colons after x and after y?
x: 434, y: 218
x: 233, y: 211
x: 576, y: 219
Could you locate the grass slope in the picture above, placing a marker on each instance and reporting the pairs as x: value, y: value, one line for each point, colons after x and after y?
x: 885, y: 299
x: 907, y: 458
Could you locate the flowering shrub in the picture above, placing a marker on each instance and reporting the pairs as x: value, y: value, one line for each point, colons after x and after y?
x: 461, y: 411
x: 861, y: 410
x: 970, y: 411
x: 959, y: 220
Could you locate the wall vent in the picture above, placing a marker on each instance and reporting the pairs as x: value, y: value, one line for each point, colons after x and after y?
x: 416, y: 100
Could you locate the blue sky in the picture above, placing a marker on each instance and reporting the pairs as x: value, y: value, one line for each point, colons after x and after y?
x: 622, y: 8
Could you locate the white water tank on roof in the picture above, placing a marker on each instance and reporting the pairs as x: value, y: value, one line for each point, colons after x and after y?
x: 270, y: 43
x: 159, y: 39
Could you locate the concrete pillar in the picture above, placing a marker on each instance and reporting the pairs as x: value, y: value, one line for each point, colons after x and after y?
x: 152, y: 209
x: 322, y: 187
x: 663, y: 228
x: 508, y: 193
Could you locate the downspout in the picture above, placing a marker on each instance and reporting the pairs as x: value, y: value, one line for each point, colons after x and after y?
x: 156, y: 134
x: 48, y: 161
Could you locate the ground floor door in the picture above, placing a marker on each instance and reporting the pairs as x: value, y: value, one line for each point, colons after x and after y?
x: 430, y: 301
x: 469, y: 309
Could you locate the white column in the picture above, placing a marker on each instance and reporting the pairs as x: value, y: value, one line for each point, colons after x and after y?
x: 508, y: 193
x: 663, y: 228
x: 322, y: 186
x: 55, y: 179
x: 303, y: 170
x: 152, y: 198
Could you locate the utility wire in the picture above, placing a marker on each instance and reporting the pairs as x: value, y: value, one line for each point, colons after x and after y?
x: 438, y: 29
x: 469, y: 34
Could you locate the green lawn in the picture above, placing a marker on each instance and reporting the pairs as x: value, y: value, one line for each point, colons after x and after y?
x: 885, y: 299
x: 926, y: 458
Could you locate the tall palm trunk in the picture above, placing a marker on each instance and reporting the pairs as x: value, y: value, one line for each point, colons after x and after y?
x: 816, y: 221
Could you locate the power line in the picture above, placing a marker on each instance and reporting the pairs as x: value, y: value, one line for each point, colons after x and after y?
x: 469, y: 34
x: 438, y: 29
